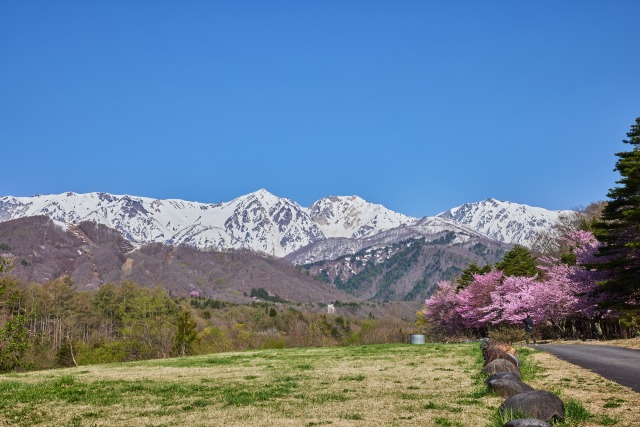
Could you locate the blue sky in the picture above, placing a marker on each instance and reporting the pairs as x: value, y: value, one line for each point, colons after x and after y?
x: 417, y: 105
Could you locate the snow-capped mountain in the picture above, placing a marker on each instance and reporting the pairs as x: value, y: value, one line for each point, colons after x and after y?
x: 354, y: 217
x: 506, y: 221
x: 258, y: 221
x: 277, y: 226
x: 358, y: 246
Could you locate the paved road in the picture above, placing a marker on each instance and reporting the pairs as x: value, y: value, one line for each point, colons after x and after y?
x: 618, y: 364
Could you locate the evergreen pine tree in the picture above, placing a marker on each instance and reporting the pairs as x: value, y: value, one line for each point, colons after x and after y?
x: 186, y: 333
x: 519, y: 261
x: 466, y: 277
x: 619, y: 228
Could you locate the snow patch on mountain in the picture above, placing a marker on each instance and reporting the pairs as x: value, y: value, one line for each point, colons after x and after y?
x: 258, y: 221
x: 431, y: 228
x: 506, y: 221
x: 353, y: 217
x: 263, y: 222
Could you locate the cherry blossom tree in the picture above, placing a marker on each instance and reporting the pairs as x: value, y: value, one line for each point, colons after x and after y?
x: 512, y: 300
x: 440, y: 308
x: 562, y: 291
x: 475, y: 300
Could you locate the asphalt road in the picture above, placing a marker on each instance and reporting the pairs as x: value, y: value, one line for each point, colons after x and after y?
x: 618, y: 364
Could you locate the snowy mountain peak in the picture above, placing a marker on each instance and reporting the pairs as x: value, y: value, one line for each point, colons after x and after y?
x: 506, y: 221
x: 259, y: 221
x: 353, y: 217
x: 263, y: 222
x: 261, y: 194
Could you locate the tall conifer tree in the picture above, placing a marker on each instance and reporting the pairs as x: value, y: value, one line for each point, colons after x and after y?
x: 519, y: 261
x: 619, y: 228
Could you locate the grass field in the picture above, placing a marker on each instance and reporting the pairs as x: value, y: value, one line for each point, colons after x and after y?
x: 380, y: 385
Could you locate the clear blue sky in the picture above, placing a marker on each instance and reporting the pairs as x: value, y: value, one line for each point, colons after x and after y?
x: 417, y: 105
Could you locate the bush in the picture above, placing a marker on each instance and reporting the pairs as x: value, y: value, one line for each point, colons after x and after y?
x: 508, y: 333
x: 213, y: 340
x: 103, y: 353
x: 385, y: 331
x: 64, y: 355
x: 274, y: 343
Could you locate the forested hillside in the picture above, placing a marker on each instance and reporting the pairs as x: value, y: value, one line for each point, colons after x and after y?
x: 92, y: 254
x: 55, y: 324
x: 407, y: 271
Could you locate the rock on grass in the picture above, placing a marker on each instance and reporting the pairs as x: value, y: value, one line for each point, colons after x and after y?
x: 507, y: 388
x: 539, y: 404
x: 500, y: 365
x: 527, y: 422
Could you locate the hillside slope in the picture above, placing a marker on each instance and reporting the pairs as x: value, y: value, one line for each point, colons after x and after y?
x: 406, y: 270
x: 93, y: 254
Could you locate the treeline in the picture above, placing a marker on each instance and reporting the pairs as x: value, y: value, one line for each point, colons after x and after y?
x: 56, y: 325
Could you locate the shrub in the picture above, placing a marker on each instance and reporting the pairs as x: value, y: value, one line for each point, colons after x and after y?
x: 274, y: 343
x: 508, y: 333
x: 103, y: 353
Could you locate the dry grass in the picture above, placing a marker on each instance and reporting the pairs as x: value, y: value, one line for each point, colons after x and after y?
x: 392, y: 385
x: 385, y: 385
x: 610, y: 403
x: 628, y: 343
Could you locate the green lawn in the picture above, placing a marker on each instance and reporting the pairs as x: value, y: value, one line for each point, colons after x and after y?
x: 379, y: 385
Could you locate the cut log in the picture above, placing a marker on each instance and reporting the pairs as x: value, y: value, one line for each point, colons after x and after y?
x: 493, y: 353
x: 514, y: 376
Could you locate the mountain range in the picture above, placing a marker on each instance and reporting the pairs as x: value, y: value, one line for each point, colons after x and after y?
x: 258, y: 221
x: 324, y: 238
x: 272, y: 225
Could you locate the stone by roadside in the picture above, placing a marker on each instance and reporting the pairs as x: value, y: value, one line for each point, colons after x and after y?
x: 538, y: 406
x: 605, y: 399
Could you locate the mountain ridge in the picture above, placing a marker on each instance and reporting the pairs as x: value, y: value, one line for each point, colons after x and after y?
x: 279, y: 227
x: 112, y: 237
x: 507, y: 221
x: 258, y: 221
x: 92, y: 254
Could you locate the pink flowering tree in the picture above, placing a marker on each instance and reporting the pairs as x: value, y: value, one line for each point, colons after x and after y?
x: 553, y: 299
x: 440, y: 308
x: 586, y: 275
x: 556, y: 296
x: 568, y: 291
x: 475, y: 300
x: 563, y: 291
x: 582, y: 274
x: 512, y: 300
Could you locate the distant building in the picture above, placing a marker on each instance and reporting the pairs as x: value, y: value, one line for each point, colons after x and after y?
x: 331, y: 308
